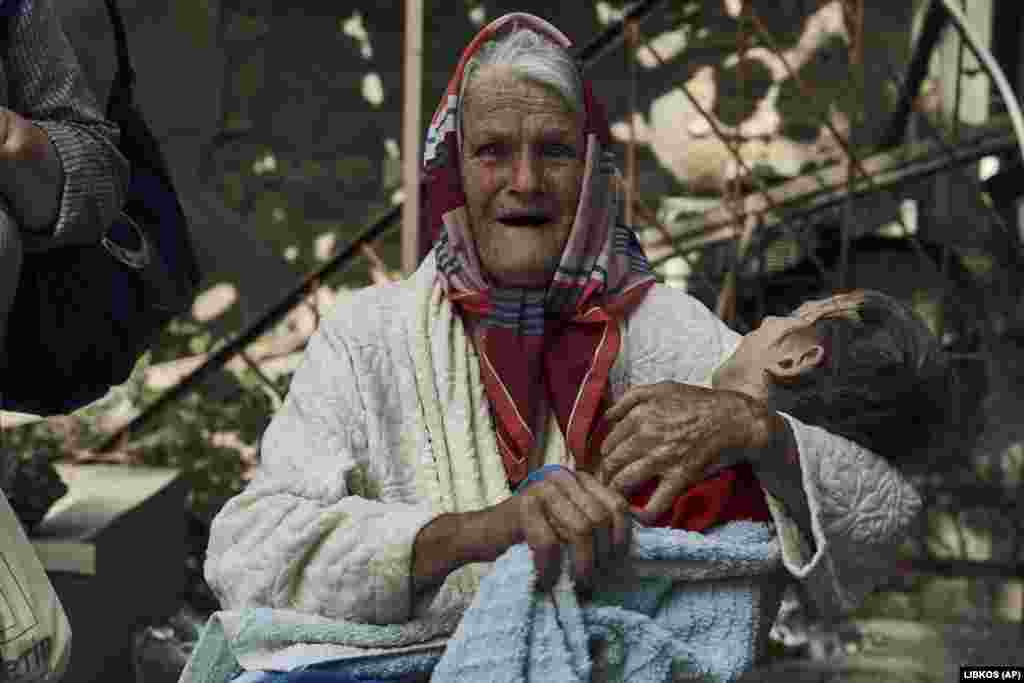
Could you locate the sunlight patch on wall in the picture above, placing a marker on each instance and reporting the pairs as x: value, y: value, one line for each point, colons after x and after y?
x: 733, y: 7
x: 1012, y: 464
x: 668, y: 45
x: 324, y: 246
x: 477, y: 15
x: 373, y: 89
x: 392, y: 163
x: 354, y: 29
x: 268, y: 164
x: 988, y: 167
x: 926, y: 304
x: 606, y: 14
x: 214, y: 302
x: 908, y: 214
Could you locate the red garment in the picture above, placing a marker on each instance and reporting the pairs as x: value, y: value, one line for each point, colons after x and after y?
x: 731, y: 494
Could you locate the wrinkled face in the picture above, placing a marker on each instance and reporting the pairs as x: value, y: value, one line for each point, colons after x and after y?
x: 777, y: 341
x: 522, y: 166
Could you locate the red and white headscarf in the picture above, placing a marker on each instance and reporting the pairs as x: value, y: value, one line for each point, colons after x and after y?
x: 570, y: 331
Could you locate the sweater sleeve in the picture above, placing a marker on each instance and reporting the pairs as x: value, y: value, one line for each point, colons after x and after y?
x: 47, y: 86
x: 861, y: 508
x: 861, y: 511
x: 311, y: 531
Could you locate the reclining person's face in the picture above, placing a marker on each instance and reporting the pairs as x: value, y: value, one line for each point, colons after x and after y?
x: 782, y: 348
x: 779, y: 348
x: 522, y: 166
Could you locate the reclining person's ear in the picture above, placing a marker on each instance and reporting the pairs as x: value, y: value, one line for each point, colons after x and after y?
x: 795, y: 361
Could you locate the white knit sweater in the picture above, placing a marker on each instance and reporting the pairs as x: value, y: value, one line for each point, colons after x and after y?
x: 328, y: 523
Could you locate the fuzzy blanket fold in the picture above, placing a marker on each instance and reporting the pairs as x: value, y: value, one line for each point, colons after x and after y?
x: 240, y: 641
x: 642, y: 627
x: 685, y: 608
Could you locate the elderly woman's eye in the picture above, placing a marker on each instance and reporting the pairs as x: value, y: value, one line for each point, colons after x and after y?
x: 489, y: 150
x: 557, y: 149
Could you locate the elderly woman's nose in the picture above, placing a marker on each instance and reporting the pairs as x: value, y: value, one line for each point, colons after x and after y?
x: 527, y: 173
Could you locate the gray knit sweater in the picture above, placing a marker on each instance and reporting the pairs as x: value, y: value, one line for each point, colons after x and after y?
x: 40, y: 79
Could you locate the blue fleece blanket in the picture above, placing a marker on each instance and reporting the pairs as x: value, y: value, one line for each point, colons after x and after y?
x: 688, y: 606
x: 637, y: 629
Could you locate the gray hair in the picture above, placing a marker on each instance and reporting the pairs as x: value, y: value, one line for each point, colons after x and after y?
x: 534, y: 58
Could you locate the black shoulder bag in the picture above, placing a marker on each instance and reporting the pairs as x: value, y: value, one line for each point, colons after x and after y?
x: 84, y: 314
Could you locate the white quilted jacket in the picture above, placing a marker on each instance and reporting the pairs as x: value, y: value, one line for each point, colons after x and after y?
x: 327, y: 525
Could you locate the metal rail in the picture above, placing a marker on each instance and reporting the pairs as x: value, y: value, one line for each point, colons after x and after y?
x: 934, y: 23
x: 698, y: 232
x: 262, y: 324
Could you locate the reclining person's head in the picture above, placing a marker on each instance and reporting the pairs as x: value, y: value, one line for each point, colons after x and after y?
x: 861, y: 365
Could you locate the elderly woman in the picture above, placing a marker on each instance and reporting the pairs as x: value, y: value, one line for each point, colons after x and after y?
x: 386, y: 481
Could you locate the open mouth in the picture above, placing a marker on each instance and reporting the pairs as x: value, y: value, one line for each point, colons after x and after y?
x: 524, y: 219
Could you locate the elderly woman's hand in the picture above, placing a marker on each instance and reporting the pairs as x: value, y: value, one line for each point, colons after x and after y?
x: 573, y: 511
x: 563, y: 510
x: 674, y: 432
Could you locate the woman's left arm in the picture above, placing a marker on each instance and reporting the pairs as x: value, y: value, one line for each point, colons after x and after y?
x: 840, y: 509
x: 860, y: 509
x: 60, y: 169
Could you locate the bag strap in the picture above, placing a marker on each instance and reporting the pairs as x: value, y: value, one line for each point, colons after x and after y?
x: 124, y: 79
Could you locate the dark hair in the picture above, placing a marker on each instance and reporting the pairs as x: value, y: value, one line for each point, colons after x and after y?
x: 884, y: 382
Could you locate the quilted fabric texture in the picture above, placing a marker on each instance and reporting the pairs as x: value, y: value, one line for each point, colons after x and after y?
x: 327, y: 525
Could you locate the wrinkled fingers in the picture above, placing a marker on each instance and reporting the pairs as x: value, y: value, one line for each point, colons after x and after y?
x: 542, y: 538
x: 672, y: 484
x: 575, y: 530
x: 616, y: 456
x: 618, y: 523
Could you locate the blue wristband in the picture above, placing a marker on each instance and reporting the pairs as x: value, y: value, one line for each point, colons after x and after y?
x: 539, y: 474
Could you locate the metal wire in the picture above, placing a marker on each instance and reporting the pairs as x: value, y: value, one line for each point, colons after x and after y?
x: 840, y: 140
x: 724, y: 139
x: 703, y: 233
x: 587, y: 56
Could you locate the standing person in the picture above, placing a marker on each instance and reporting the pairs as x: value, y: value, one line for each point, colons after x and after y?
x: 384, y: 485
x: 62, y: 179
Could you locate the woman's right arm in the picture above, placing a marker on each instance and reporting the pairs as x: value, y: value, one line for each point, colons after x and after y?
x: 305, y: 536
x: 297, y: 537
x: 562, y: 510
